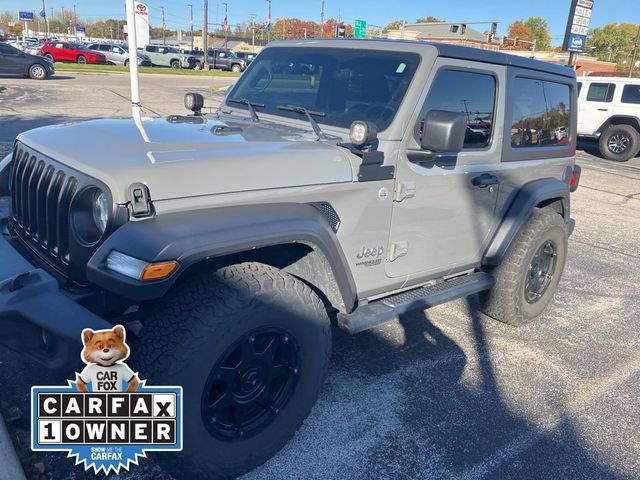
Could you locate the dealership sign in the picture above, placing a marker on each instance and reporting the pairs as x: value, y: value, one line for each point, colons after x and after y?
x: 575, y: 37
x: 25, y: 16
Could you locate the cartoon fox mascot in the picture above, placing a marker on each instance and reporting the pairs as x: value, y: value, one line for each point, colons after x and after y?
x: 104, y: 352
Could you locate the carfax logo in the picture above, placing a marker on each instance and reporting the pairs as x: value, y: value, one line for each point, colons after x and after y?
x: 107, y: 418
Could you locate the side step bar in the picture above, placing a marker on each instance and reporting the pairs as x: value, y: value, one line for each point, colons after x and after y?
x: 386, y: 309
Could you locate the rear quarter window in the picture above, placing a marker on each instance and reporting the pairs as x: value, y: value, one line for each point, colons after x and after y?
x: 601, y: 92
x: 631, y: 94
x: 540, y: 113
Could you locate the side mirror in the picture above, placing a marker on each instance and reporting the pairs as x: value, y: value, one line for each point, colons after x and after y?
x: 443, y: 132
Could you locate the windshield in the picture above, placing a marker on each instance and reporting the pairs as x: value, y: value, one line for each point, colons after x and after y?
x: 346, y: 84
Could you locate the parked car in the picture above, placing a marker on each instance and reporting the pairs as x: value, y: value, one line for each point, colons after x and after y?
x: 229, y: 242
x: 246, y: 56
x: 15, y: 62
x: 33, y: 49
x: 609, y: 110
x: 119, y: 54
x: 162, y: 56
x: 70, y: 52
x: 222, y: 59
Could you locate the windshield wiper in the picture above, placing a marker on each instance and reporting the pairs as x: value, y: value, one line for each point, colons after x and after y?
x: 309, y: 114
x: 250, y: 106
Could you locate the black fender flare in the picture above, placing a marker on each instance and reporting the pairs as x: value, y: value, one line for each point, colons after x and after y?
x: 190, y: 237
x: 525, y: 201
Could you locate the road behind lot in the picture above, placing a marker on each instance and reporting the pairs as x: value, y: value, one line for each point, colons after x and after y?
x: 449, y: 393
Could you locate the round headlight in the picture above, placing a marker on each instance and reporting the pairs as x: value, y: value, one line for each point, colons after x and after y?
x: 100, y: 210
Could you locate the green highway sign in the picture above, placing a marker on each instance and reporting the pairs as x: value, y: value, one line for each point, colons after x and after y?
x: 360, y: 29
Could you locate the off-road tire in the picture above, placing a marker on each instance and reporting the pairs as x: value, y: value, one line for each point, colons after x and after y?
x: 189, y: 329
x: 37, y: 72
x: 81, y: 59
x: 506, y: 301
x: 621, y: 132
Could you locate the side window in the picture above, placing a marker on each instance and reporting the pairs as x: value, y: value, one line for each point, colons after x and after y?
x: 601, y: 92
x: 58, y: 45
x: 631, y: 94
x: 152, y: 49
x: 540, y: 113
x: 470, y: 93
x: 222, y: 54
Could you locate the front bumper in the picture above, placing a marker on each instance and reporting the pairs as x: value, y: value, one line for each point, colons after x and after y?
x: 37, y: 317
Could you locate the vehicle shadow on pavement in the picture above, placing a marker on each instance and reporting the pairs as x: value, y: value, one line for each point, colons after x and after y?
x: 13, y: 125
x: 453, y: 421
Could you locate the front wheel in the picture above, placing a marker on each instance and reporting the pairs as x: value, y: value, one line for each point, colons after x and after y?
x: 527, y: 278
x: 250, y: 345
x: 236, y: 68
x: 49, y: 57
x: 37, y: 72
x: 126, y: 63
x: 619, y: 143
x: 175, y: 64
x: 82, y: 59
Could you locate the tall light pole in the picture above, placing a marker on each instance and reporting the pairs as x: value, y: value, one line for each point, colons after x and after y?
x: 225, y: 24
x: 205, y: 21
x: 191, y: 23
x: 164, y: 38
x: 635, y: 54
x: 252, y: 18
x: 75, y: 23
x: 269, y: 22
x: 322, y: 19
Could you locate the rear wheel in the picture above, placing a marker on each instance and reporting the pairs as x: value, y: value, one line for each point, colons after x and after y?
x: 126, y: 63
x: 619, y: 143
x: 49, y: 57
x: 82, y: 59
x: 528, y: 276
x: 175, y: 64
x: 250, y: 345
x: 37, y: 72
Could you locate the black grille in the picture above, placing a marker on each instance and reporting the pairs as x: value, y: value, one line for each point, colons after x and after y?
x: 41, y: 197
x: 329, y: 213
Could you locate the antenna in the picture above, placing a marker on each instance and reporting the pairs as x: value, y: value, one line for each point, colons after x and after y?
x: 133, y: 69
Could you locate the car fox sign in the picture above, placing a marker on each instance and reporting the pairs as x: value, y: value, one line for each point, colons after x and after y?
x: 107, y: 418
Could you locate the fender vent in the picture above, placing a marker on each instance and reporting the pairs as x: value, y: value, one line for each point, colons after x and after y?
x: 329, y: 213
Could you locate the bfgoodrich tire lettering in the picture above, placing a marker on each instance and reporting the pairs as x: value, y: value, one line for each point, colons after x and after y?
x: 507, y: 300
x: 198, y: 323
x: 619, y: 143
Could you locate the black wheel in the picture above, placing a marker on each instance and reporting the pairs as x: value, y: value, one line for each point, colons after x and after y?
x: 126, y: 63
x: 175, y: 64
x: 619, y: 143
x: 250, y: 345
x: 37, y: 71
x: 82, y: 59
x: 49, y: 57
x: 528, y: 276
x: 236, y: 68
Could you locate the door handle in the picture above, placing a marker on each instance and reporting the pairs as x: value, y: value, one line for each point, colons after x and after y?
x: 485, y: 180
x: 603, y: 109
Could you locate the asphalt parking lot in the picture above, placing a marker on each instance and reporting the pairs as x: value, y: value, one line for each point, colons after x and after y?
x: 447, y: 393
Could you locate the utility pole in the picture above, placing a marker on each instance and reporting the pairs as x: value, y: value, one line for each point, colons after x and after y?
x: 164, y: 39
x: 322, y: 19
x: 75, y: 23
x: 252, y: 19
x: 635, y: 54
x: 205, y: 35
x: 269, y: 22
x: 225, y: 24
x: 191, y: 23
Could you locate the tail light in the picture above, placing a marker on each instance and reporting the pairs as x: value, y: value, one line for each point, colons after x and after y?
x: 574, y: 180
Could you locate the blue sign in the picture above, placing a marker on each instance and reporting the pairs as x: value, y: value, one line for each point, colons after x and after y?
x: 80, y: 30
x: 576, y: 43
x: 25, y: 16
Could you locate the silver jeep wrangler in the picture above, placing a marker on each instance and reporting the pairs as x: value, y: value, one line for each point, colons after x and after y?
x: 340, y: 180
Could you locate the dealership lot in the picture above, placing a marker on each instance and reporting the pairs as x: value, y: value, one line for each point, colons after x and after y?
x: 445, y: 393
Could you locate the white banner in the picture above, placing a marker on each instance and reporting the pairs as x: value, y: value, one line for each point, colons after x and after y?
x: 142, y: 23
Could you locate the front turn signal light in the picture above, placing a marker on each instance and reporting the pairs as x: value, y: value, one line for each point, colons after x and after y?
x: 158, y: 271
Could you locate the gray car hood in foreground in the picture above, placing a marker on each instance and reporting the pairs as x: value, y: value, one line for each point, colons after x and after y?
x: 185, y: 160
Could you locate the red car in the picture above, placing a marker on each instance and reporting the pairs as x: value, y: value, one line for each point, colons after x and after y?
x: 70, y: 52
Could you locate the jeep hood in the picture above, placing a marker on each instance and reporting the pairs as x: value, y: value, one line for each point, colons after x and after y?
x: 186, y: 159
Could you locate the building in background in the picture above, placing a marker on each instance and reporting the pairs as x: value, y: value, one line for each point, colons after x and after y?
x: 453, y: 33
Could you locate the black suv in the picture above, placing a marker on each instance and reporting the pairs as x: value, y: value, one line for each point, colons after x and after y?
x: 15, y: 62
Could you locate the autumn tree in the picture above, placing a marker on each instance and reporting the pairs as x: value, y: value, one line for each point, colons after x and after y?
x: 395, y: 25
x: 429, y: 19
x: 534, y: 28
x: 612, y: 42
